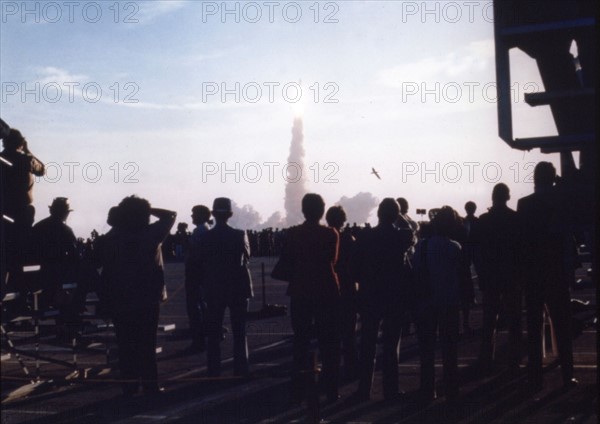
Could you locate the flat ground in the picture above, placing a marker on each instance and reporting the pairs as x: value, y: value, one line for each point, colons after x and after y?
x: 84, y: 388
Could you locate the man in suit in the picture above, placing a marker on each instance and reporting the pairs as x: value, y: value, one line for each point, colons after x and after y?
x: 546, y: 273
x: 55, y: 249
x: 311, y: 250
x: 384, y: 289
x: 226, y: 283
x: 383, y: 296
x: 495, y: 243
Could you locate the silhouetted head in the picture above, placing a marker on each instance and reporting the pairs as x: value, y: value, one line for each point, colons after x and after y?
x: 500, y: 194
x: 403, y: 205
x: 134, y: 213
x: 222, y: 209
x: 544, y: 175
x: 182, y: 227
x: 445, y: 221
x: 200, y: 214
x: 113, y: 216
x: 60, y: 208
x: 470, y: 208
x: 335, y: 217
x: 14, y: 140
x: 388, y: 211
x: 432, y: 213
x: 313, y: 207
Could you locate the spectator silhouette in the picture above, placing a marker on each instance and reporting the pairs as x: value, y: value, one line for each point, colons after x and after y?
x: 99, y: 250
x: 55, y: 249
x: 495, y: 240
x: 384, y: 289
x: 194, y: 300
x: 336, y: 217
x: 436, y: 263
x: 17, y: 180
x: 405, y: 221
x: 180, y: 240
x: 311, y: 251
x: 544, y: 218
x: 470, y: 219
x: 133, y: 271
x: 404, y: 218
x: 226, y: 283
x: 16, y: 191
x: 467, y: 289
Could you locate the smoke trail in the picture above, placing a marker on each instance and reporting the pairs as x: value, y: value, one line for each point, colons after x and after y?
x: 295, y: 188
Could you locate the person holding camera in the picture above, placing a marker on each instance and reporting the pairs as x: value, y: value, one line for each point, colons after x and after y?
x: 18, y: 168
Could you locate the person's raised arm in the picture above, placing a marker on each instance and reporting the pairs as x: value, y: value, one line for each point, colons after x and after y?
x: 37, y: 166
x: 166, y: 220
x: 163, y: 214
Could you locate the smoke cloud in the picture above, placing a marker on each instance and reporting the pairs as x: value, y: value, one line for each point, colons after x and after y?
x: 245, y: 217
x: 358, y: 208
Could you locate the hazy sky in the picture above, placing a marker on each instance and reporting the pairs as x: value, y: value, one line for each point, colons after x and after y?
x: 184, y: 101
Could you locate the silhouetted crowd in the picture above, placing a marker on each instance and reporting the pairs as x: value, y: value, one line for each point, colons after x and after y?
x: 347, y: 284
x: 263, y: 243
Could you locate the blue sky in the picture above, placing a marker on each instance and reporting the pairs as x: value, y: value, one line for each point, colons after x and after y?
x: 378, y: 58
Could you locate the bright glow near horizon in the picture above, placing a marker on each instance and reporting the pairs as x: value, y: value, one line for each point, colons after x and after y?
x: 189, y: 103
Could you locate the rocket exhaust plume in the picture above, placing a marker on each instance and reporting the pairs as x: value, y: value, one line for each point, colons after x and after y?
x: 295, y: 187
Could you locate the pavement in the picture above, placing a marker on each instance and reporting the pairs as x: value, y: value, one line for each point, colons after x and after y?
x: 80, y: 385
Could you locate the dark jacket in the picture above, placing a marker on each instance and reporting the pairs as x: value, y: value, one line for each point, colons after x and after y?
x: 224, y: 255
x: 55, y: 249
x: 381, y: 268
x: 133, y: 266
x: 545, y: 222
x: 312, y: 251
x: 496, y: 243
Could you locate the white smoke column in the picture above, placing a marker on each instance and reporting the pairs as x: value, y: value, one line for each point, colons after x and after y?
x: 295, y: 188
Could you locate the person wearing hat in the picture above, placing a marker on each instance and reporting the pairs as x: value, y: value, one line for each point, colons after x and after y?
x: 55, y: 249
x: 226, y: 283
